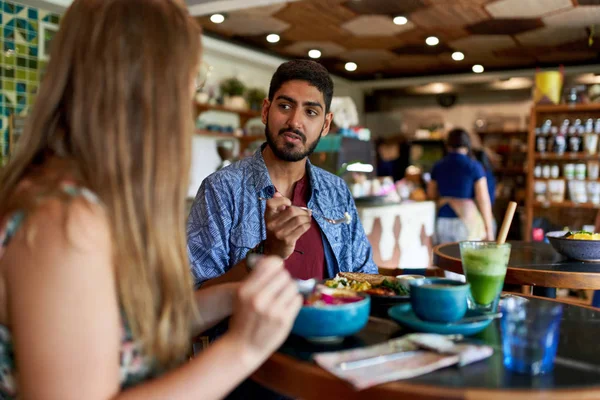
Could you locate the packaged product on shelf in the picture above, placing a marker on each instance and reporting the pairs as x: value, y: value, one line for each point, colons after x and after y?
x: 540, y: 189
x: 546, y: 171
x: 577, y: 191
x: 580, y: 170
x: 593, y: 192
x: 556, y: 190
x: 593, y: 169
x: 537, y: 171
x: 569, y: 171
x: 554, y: 171
x: 590, y: 143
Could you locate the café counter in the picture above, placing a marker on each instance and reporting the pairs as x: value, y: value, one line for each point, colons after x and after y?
x: 400, y: 233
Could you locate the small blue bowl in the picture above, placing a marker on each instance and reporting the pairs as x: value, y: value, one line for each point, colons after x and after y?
x: 331, y: 323
x: 439, y: 299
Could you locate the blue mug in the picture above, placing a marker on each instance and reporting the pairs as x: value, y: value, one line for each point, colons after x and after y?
x: 439, y: 299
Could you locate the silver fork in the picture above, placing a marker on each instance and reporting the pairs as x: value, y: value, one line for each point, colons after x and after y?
x: 345, y: 220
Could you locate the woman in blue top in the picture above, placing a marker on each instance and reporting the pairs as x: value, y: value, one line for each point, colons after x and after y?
x: 459, y: 186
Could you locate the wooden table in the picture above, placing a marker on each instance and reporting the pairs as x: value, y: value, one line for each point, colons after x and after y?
x: 576, y: 373
x: 535, y: 264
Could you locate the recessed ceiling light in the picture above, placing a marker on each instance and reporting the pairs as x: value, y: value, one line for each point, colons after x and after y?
x: 314, y: 53
x: 477, y: 68
x: 350, y: 66
x: 273, y: 38
x: 458, y: 56
x: 400, y: 20
x: 432, y: 41
x: 217, y: 18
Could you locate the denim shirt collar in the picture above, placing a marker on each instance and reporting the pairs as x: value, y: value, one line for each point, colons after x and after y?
x: 262, y: 180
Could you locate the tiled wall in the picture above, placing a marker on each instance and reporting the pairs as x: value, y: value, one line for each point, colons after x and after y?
x: 21, y: 62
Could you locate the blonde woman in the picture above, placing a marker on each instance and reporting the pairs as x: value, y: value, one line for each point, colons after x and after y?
x: 96, y: 298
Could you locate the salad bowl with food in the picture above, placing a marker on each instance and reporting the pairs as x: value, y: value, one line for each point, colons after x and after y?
x: 577, y: 245
x: 330, y: 314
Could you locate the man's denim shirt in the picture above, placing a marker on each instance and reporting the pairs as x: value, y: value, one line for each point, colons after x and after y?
x: 227, y: 219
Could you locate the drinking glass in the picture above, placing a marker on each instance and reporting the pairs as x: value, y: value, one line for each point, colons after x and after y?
x: 530, y: 333
x: 484, y: 265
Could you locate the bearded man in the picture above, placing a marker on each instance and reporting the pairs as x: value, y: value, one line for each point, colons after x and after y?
x: 253, y: 205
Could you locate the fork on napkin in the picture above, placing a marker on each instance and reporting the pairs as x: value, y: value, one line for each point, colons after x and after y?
x: 406, y: 357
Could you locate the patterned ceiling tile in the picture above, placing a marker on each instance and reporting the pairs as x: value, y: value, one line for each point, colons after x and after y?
x: 470, y: 3
x: 423, y: 49
x: 577, y: 17
x: 448, y: 35
x: 328, y: 49
x: 483, y: 43
x: 448, y: 15
x: 375, y: 25
x: 370, y: 42
x: 566, y: 56
x: 244, y: 24
x: 389, y: 7
x: 408, y: 62
x: 265, y: 11
x: 414, y: 36
x: 496, y: 33
x: 315, y: 20
x: 551, y: 36
x: 368, y: 56
x: 518, y: 52
x: 580, y: 45
x: 526, y: 8
x: 506, y: 62
x: 503, y: 26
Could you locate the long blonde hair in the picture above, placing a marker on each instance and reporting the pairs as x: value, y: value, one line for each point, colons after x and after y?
x: 115, y: 103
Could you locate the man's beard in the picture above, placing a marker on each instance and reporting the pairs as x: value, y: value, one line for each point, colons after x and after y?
x: 288, y: 153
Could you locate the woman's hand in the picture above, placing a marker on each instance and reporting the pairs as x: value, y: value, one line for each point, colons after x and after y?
x: 264, y: 309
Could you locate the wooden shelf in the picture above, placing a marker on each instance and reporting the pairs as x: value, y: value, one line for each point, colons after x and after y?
x: 204, y: 132
x: 565, y: 157
x: 210, y: 107
x: 246, y: 138
x: 503, y: 133
x: 567, y: 108
x: 510, y: 171
x: 565, y: 204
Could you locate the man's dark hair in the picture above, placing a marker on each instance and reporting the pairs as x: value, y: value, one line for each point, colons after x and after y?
x: 303, y: 70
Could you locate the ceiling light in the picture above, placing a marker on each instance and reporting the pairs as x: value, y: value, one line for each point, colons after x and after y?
x: 400, y: 20
x: 217, y: 18
x: 477, y: 68
x: 314, y: 53
x: 350, y: 66
x: 458, y: 56
x: 273, y: 38
x: 432, y: 41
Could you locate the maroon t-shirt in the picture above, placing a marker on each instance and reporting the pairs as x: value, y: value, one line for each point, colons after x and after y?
x: 308, y: 259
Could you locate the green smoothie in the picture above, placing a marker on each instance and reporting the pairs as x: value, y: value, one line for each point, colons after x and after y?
x: 485, y: 269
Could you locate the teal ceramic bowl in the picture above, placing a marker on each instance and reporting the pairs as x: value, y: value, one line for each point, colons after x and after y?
x: 331, y: 323
x: 439, y: 299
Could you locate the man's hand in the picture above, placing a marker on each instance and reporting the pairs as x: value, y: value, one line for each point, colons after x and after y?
x: 285, y: 224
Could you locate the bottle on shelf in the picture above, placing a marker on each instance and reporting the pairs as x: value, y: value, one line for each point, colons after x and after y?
x: 540, y: 141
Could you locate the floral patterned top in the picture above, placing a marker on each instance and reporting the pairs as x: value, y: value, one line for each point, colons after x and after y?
x: 134, y: 366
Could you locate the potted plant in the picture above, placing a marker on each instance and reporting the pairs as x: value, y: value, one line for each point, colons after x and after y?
x: 255, y: 98
x: 233, y: 91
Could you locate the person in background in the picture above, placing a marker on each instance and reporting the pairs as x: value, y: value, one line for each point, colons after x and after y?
x: 459, y: 186
x: 96, y: 299
x: 481, y: 156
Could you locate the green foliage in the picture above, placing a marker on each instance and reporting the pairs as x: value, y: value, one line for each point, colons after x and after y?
x: 233, y: 87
